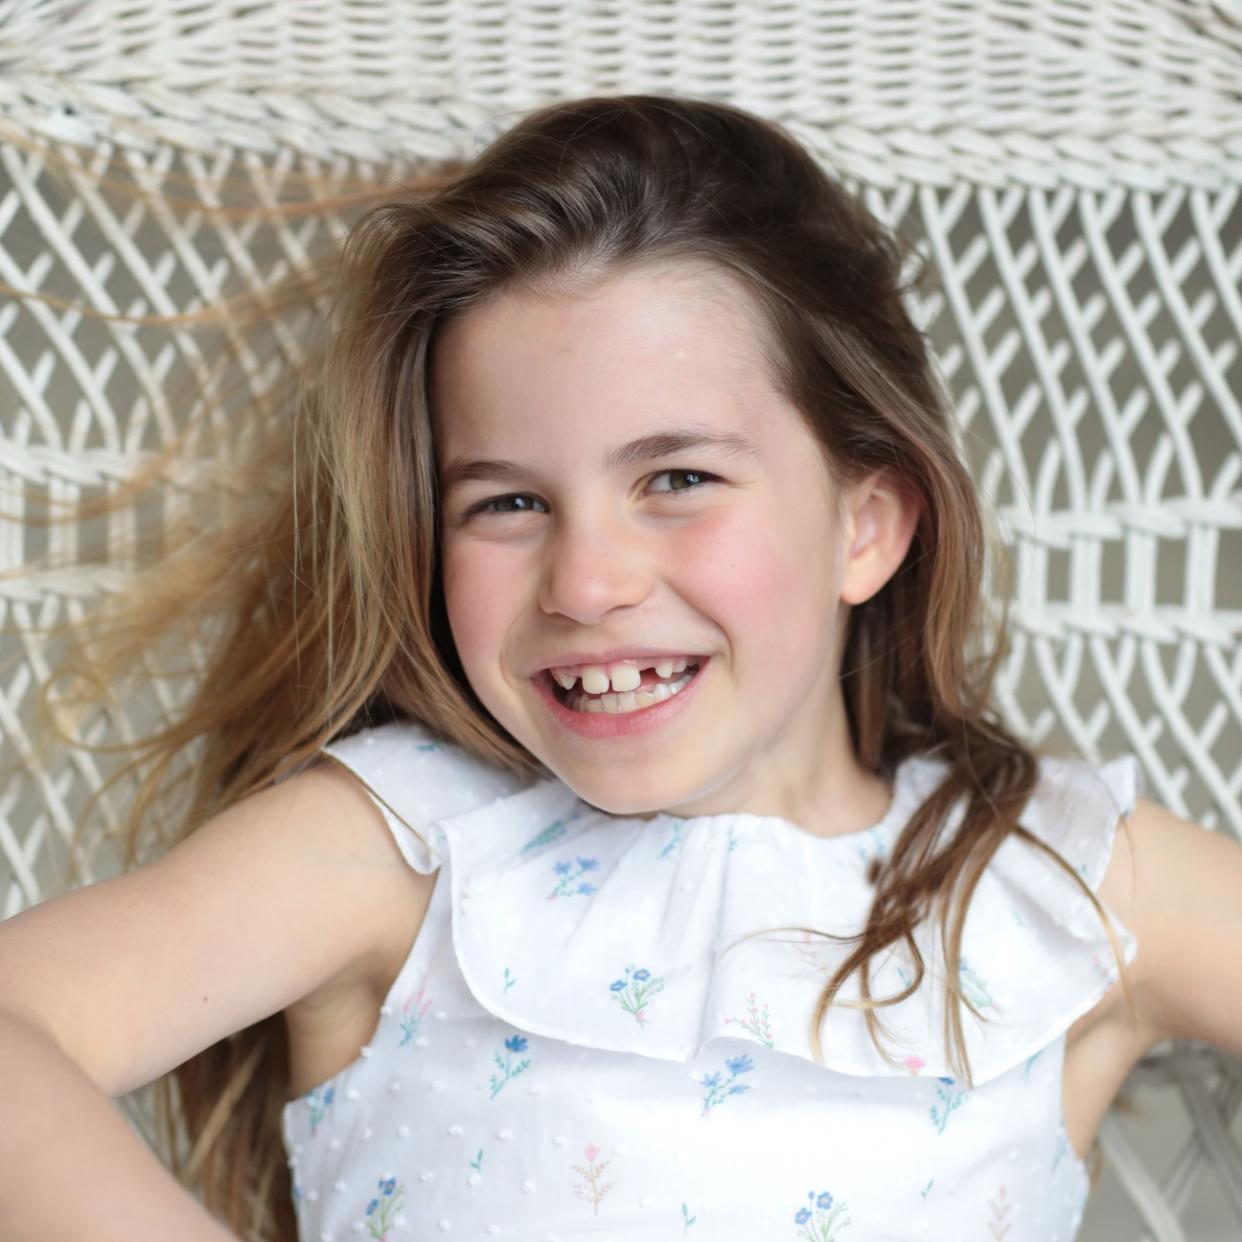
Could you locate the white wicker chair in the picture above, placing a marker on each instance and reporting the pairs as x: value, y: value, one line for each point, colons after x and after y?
x: 1071, y: 167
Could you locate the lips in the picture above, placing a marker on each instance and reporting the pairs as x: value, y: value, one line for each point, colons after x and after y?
x: 606, y: 727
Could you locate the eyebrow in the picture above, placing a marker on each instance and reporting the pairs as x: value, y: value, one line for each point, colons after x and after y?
x: 645, y: 448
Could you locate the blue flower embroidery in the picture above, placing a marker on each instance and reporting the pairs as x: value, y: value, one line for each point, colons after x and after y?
x: 675, y: 839
x: 974, y: 987
x: 949, y: 1100
x: 384, y: 1208
x: 570, y: 882
x: 634, y: 991
x: 320, y: 1098
x: 514, y: 1044
x: 819, y: 1220
x: 553, y: 832
x: 719, y: 1088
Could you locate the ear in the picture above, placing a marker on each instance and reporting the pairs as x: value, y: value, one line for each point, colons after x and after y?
x: 881, y: 513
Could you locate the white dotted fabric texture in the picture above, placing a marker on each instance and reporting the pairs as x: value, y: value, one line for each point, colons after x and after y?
x: 571, y: 1050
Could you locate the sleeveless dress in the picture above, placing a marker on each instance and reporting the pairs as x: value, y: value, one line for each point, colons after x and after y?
x: 582, y: 1045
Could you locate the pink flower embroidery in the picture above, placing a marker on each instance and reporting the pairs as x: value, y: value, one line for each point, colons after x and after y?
x: 757, y: 1021
x: 591, y: 1188
x: 998, y: 1226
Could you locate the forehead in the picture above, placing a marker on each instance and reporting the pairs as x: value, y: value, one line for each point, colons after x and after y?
x: 629, y: 352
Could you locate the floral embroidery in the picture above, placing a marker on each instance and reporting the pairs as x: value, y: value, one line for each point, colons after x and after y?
x: 757, y: 1020
x: 591, y: 1188
x: 686, y: 1219
x: 927, y: 1189
x: 319, y: 1099
x: 509, y: 979
x: 913, y: 1063
x: 413, y: 1012
x: 732, y: 840
x: 874, y: 847
x: 570, y: 877
x: 514, y: 1044
x: 949, y: 1100
x: 553, y: 832
x: 998, y: 1226
x: 675, y: 840
x: 1026, y: 1071
x: 814, y: 951
x: 975, y: 989
x: 477, y: 1163
x: 720, y: 1088
x: 819, y: 1220
x: 632, y: 992
x: 384, y: 1208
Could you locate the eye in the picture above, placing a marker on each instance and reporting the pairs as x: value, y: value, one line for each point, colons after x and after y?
x: 485, y: 506
x: 525, y: 500
x: 691, y: 474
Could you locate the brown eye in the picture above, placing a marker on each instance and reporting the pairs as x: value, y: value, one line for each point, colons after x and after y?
x: 701, y: 475
x: 486, y: 506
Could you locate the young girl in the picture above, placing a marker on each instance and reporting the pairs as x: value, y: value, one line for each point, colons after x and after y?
x: 605, y: 807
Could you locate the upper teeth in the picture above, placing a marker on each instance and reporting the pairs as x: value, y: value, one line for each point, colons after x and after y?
x: 621, y: 676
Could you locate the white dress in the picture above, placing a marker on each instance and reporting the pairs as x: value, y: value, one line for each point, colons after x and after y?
x: 573, y: 1050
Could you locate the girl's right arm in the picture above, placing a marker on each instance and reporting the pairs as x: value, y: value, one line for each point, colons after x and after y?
x: 296, y: 888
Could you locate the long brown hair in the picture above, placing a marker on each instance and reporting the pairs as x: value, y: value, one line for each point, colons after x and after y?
x: 315, y: 599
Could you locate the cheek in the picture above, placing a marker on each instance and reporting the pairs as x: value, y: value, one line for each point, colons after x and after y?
x: 757, y: 568
x: 473, y: 587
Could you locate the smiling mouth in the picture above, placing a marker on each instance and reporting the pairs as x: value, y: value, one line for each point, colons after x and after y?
x: 652, y: 689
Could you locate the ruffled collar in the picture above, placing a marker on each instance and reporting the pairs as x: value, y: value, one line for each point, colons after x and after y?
x: 630, y: 935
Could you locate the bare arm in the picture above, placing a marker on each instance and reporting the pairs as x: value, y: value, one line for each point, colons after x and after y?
x: 70, y: 1166
x: 292, y: 891
x: 1178, y: 887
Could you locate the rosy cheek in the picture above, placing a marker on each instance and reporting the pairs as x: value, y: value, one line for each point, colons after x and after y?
x: 470, y: 585
x: 762, y: 585
x: 734, y: 565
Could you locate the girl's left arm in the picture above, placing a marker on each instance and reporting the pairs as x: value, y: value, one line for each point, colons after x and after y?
x: 1182, y: 899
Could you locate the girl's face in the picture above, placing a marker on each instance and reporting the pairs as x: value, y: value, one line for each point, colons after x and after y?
x: 568, y: 546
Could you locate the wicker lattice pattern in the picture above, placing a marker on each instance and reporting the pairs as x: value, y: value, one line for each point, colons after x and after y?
x: 1071, y: 169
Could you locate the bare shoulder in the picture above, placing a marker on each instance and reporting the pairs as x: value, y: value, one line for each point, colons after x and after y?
x: 290, y: 895
x: 328, y: 1025
x: 388, y: 896
x: 396, y: 896
x: 1178, y: 887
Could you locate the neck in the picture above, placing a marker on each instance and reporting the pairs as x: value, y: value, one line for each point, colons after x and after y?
x: 817, y: 783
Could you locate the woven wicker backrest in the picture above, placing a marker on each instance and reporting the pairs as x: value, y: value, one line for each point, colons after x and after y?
x: 1070, y: 168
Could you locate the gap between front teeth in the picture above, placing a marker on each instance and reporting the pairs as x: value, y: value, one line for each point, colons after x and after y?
x: 624, y: 677
x: 618, y: 704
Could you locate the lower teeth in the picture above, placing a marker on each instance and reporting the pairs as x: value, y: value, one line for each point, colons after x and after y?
x: 613, y: 704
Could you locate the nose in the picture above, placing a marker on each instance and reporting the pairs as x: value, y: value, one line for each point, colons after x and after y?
x: 592, y: 565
